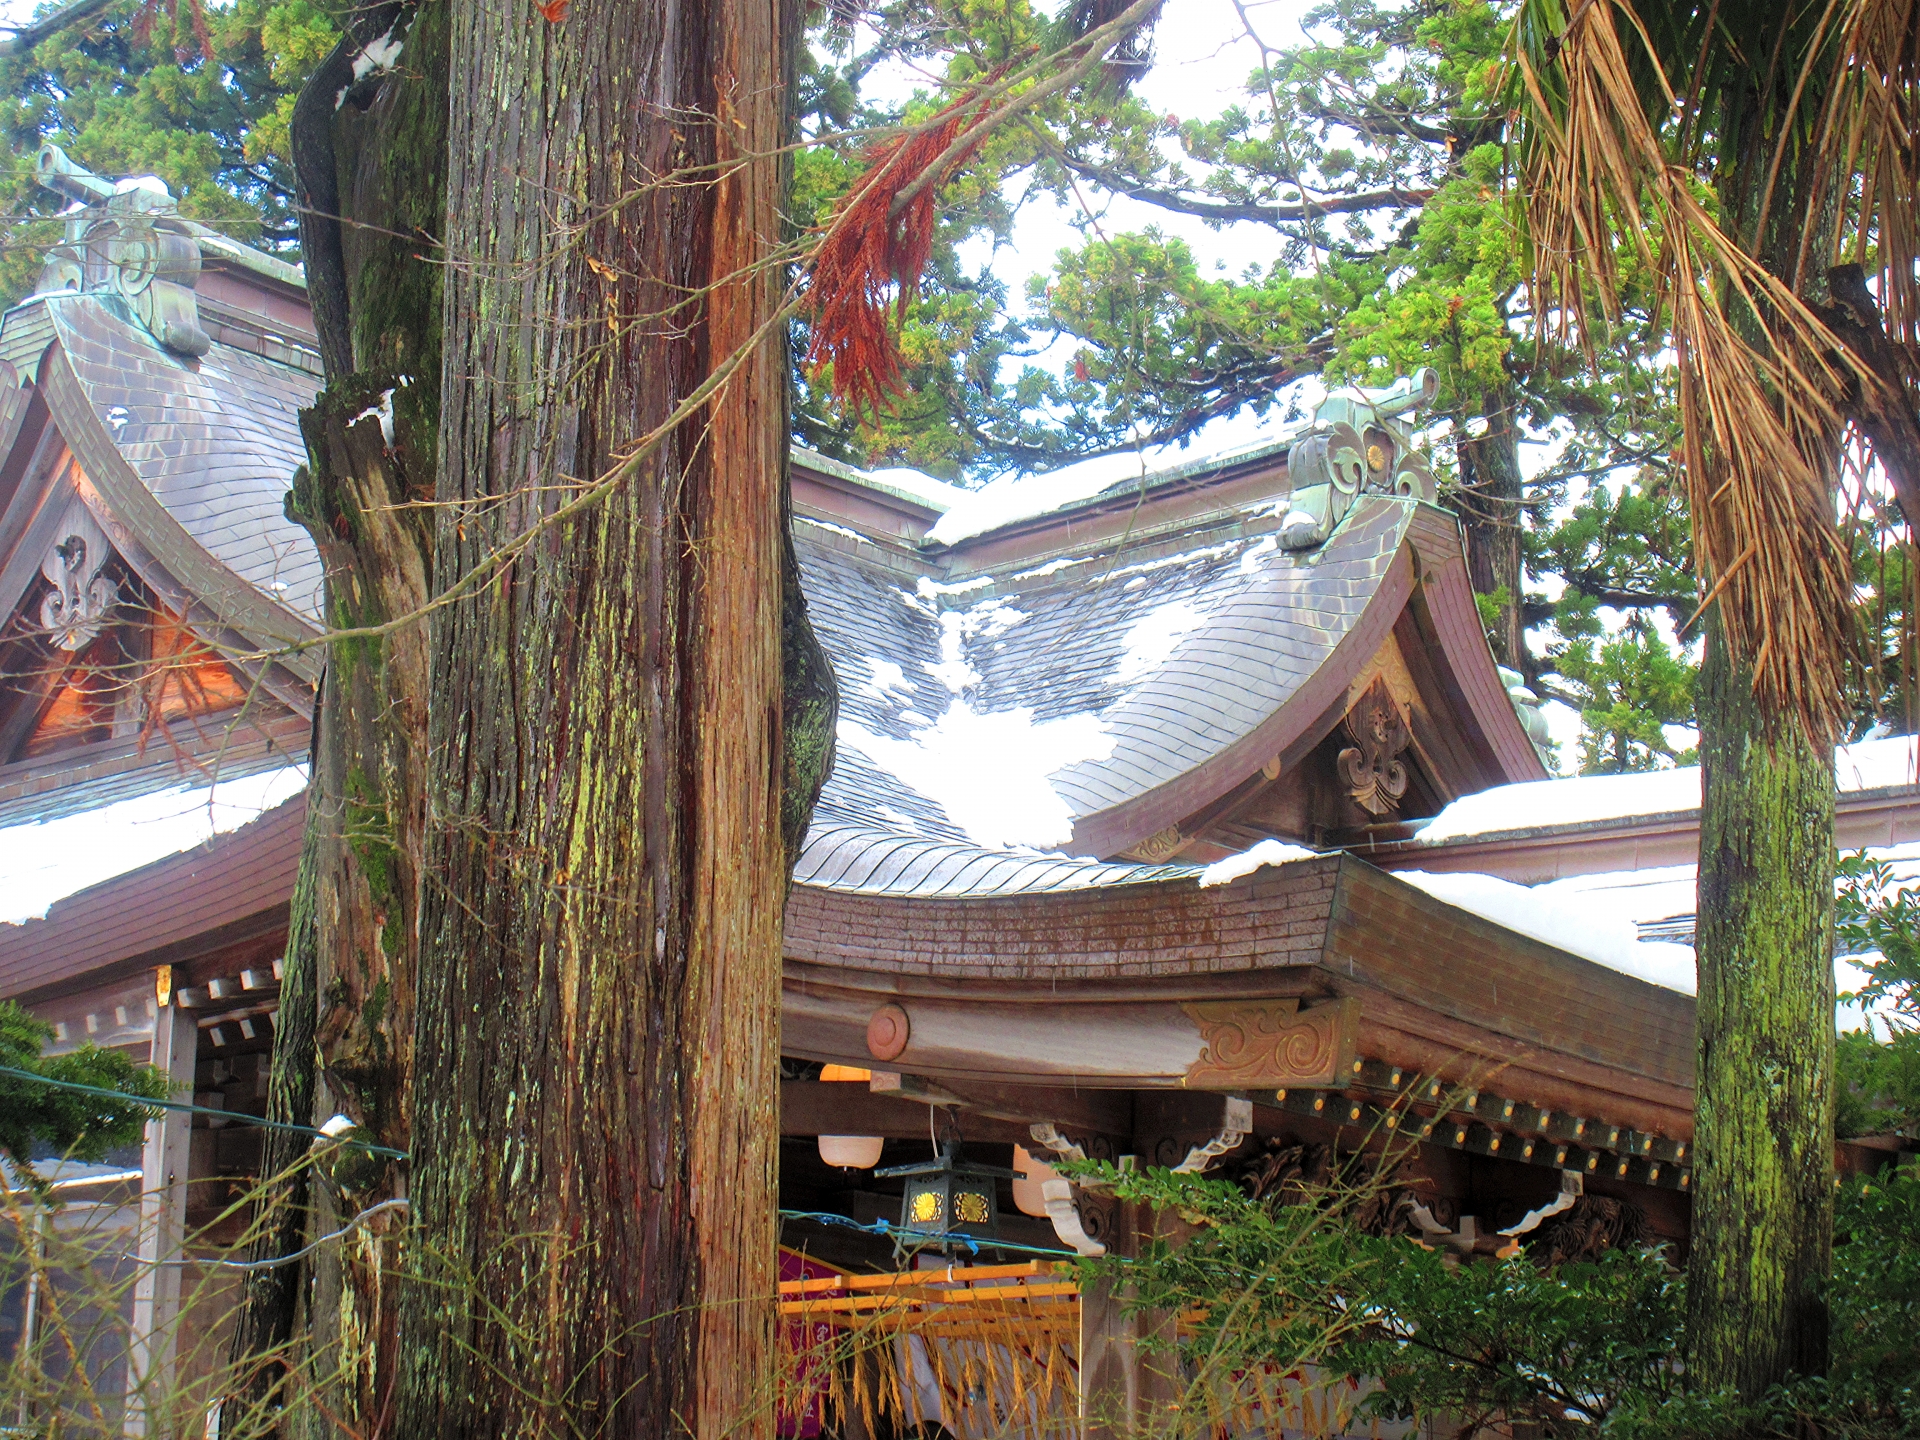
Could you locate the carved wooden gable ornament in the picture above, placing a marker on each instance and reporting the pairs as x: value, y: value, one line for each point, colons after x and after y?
x: 1371, y: 767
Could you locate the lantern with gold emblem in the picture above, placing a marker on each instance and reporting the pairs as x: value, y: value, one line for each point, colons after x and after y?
x: 947, y: 1198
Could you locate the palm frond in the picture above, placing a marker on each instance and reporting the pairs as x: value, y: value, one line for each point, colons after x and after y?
x: 1764, y: 382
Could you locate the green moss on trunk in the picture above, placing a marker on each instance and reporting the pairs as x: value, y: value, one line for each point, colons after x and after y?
x: 1764, y: 1177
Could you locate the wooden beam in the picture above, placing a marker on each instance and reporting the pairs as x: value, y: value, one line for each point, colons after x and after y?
x: 163, y: 1218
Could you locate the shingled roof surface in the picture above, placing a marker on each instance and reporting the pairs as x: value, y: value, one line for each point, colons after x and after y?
x: 980, y: 721
x: 215, y: 440
x: 988, y: 716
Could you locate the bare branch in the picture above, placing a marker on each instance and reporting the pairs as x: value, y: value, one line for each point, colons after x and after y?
x: 1393, y: 197
x: 25, y: 37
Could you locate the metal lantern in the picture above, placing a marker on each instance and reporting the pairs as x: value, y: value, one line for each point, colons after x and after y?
x: 946, y: 1198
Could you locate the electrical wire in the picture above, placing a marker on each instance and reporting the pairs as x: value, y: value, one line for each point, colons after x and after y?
x: 974, y: 1243
x: 398, y: 1203
x: 239, y: 1116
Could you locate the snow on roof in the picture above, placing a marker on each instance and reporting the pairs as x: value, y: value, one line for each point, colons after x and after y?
x: 1598, y: 917
x: 45, y: 862
x: 1267, y: 852
x: 1588, y: 799
x: 936, y: 494
x: 1565, y: 919
x: 1011, y: 499
x: 990, y: 771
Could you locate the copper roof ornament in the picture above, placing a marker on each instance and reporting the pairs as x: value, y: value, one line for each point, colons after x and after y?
x: 125, y: 242
x: 1361, y: 443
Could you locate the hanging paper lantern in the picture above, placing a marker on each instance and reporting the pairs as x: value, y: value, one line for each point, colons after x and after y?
x: 851, y: 1152
x: 1029, y: 1176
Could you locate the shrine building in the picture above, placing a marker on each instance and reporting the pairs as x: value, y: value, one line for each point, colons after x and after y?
x: 1182, y: 816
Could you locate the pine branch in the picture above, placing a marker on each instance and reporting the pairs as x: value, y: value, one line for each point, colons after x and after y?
x: 1393, y: 197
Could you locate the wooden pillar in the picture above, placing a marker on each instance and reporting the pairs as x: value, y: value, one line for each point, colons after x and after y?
x: 163, y: 1219
x: 1127, y: 1390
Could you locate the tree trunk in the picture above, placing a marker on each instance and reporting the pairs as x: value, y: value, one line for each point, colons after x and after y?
x: 597, y: 1037
x: 372, y: 166
x: 263, y: 1349
x: 1763, y: 1153
x: 1762, y: 1242
x: 368, y: 812
x: 1489, y: 506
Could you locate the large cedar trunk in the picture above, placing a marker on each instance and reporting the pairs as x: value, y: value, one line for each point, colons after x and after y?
x: 597, y: 1036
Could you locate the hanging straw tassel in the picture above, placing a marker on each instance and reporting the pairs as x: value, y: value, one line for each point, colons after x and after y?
x: 871, y: 258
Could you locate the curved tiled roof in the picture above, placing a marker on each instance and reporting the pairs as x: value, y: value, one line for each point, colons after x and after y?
x: 1149, y: 665
x: 987, y: 726
x: 215, y: 440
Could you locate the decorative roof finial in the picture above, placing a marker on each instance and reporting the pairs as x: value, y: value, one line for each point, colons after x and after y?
x: 126, y: 241
x: 1361, y: 441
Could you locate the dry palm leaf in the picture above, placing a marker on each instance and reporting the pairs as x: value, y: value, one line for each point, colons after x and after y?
x: 1764, y: 383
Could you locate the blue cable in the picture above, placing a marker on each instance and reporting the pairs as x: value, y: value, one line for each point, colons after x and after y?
x: 887, y: 1230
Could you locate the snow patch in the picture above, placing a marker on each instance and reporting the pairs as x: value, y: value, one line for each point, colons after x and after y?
x: 988, y: 620
x: 828, y: 525
x: 1250, y: 562
x: 381, y: 410
x: 1151, y: 640
x: 936, y: 494
x: 43, y: 863
x: 928, y: 588
x: 1052, y: 567
x: 1580, y: 924
x: 1267, y: 852
x: 991, y: 772
x: 152, y: 183
x: 1586, y: 799
x: 887, y: 679
x: 1005, y: 501
x: 118, y: 416
x: 1875, y: 764
x: 378, y: 57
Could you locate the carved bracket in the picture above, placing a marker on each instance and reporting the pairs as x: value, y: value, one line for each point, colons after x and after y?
x: 82, y: 598
x: 1236, y: 1124
x: 1572, y: 1186
x: 1062, y: 1197
x: 1257, y: 1045
x: 1371, y: 767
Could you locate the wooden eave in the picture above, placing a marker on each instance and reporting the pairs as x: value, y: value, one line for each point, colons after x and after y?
x: 1049, y: 978
x: 1042, y: 979
x: 172, y: 912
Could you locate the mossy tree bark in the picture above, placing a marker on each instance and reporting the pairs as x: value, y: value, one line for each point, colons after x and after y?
x: 597, y: 1033
x: 372, y: 162
x: 1762, y: 1238
x: 1763, y: 1153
